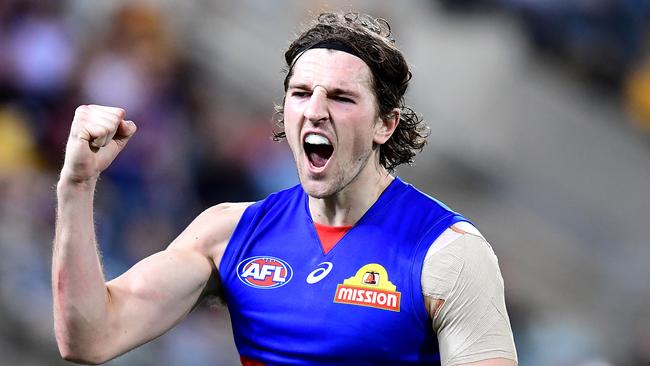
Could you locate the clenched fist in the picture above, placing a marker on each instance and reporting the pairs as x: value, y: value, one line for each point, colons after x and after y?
x: 97, y: 135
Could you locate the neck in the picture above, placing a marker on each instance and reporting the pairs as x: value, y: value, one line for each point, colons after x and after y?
x: 348, y: 205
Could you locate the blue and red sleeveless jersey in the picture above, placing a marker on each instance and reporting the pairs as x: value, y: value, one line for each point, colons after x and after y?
x: 359, y: 304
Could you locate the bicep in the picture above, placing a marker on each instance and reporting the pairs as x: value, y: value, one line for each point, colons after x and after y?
x: 162, y: 289
x: 155, y: 294
x: 464, y: 290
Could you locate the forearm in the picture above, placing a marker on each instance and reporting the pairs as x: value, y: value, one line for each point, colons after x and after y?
x: 79, y: 292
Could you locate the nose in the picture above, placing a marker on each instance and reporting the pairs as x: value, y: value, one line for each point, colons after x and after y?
x: 316, y: 109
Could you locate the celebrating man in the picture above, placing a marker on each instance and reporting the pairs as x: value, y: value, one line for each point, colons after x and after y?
x: 352, y: 266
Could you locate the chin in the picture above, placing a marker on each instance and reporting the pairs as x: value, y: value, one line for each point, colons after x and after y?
x: 318, y: 189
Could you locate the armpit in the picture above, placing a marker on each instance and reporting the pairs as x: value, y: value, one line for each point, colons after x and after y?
x: 464, y: 294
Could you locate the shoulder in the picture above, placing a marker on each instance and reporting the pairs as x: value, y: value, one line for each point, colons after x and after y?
x: 425, y: 216
x: 459, y: 253
x: 461, y: 238
x: 283, y: 198
x: 415, y: 196
x: 223, y: 218
x: 464, y: 295
x: 210, y: 231
x: 225, y: 211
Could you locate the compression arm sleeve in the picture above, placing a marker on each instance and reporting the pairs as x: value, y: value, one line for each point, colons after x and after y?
x: 472, y: 323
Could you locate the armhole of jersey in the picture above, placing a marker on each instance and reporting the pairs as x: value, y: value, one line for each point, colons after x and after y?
x: 246, y: 218
x: 459, y: 229
x: 417, y: 297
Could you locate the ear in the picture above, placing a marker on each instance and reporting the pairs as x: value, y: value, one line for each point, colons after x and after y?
x: 386, y: 126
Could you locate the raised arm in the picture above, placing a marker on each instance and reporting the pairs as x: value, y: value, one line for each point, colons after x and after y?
x: 95, y: 321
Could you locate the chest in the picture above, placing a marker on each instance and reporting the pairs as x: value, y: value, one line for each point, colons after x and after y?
x: 362, y: 299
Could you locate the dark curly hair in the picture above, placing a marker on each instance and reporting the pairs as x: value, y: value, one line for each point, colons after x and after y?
x: 370, y: 39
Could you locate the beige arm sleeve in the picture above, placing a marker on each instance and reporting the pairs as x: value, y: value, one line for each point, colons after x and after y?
x: 472, y: 323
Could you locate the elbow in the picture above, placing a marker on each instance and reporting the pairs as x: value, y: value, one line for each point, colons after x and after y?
x: 80, y: 352
x: 78, y: 340
x: 81, y: 357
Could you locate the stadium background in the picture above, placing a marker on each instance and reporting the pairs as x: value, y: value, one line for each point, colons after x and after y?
x: 540, y: 112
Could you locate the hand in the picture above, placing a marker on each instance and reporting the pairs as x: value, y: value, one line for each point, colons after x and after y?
x: 97, y: 135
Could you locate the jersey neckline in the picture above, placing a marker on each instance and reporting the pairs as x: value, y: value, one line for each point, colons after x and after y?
x: 384, y: 198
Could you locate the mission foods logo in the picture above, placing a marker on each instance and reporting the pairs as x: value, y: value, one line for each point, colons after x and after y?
x: 369, y: 287
x: 264, y: 272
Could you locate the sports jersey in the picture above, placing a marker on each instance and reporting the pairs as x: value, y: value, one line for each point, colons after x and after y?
x: 359, y: 304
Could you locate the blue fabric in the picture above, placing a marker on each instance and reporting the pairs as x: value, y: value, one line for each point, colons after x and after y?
x: 280, y: 319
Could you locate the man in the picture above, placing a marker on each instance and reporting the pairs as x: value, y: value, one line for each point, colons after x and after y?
x: 352, y: 266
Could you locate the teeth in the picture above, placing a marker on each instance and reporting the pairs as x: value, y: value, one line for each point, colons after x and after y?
x: 315, y: 139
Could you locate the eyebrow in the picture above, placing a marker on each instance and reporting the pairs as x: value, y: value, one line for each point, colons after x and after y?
x: 332, y: 92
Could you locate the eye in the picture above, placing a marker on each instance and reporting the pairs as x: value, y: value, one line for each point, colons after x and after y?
x: 299, y: 94
x: 341, y: 99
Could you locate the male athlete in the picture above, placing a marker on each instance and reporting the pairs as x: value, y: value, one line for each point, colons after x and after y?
x: 351, y: 267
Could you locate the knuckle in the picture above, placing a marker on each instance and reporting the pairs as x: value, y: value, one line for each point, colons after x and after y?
x: 81, y: 110
x: 96, y: 130
x: 105, y: 131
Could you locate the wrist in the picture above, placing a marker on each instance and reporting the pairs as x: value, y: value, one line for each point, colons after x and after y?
x: 71, y: 183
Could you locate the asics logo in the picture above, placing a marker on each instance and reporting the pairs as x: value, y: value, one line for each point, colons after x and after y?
x: 319, y: 273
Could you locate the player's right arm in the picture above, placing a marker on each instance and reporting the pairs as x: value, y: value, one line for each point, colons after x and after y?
x: 96, y: 320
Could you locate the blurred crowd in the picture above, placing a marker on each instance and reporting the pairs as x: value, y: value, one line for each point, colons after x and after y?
x: 193, y: 149
x: 605, y: 41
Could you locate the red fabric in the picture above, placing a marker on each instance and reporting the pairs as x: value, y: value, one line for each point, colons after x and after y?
x: 330, y: 235
x: 245, y: 361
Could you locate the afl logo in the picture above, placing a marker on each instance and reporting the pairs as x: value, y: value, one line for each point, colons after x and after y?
x: 264, y: 272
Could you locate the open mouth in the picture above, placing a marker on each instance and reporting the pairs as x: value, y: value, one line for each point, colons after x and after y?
x: 318, y: 149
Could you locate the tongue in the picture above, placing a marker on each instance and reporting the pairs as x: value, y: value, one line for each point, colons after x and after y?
x: 319, y: 155
x: 317, y: 160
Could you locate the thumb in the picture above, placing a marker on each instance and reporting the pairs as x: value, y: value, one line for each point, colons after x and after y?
x: 125, y: 131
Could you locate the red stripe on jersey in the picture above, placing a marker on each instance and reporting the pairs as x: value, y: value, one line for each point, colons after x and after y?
x: 330, y: 235
x: 245, y: 361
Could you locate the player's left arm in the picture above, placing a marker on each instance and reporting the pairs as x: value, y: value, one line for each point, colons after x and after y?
x: 464, y: 294
x: 492, y: 362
